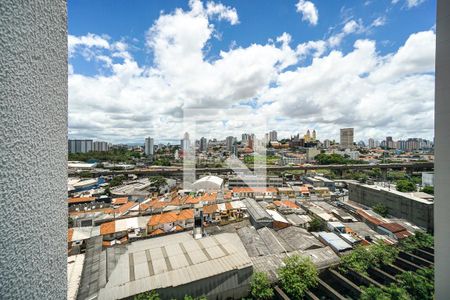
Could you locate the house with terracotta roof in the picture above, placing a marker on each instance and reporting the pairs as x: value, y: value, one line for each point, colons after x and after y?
x: 370, y: 220
x: 285, y: 204
x: 211, y: 213
x: 80, y: 200
x: 255, y: 192
x: 171, y: 221
x: 119, y: 201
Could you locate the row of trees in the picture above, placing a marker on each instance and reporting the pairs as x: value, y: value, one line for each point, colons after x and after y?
x: 297, y: 275
x: 332, y: 159
x: 114, y: 155
x: 364, y: 257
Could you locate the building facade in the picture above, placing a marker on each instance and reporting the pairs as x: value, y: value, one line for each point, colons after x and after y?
x: 346, y: 141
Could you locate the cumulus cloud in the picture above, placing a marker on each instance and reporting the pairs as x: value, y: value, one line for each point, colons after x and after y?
x: 308, y: 11
x: 376, y: 94
x: 222, y: 12
x: 380, y: 21
x: 90, y: 40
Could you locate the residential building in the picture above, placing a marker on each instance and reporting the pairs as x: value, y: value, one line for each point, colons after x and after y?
x: 371, y: 143
x: 346, y: 141
x: 100, y: 146
x: 80, y: 146
x: 273, y: 136
x: 203, y: 145
x: 149, y: 146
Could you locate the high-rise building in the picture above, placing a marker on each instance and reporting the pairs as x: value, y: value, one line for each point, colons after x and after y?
x: 389, y: 142
x: 80, y: 146
x: 307, y: 136
x: 326, y: 144
x: 371, y: 143
x: 346, y: 141
x: 185, y: 143
x: 245, y: 138
x: 100, y: 146
x: 203, y: 145
x: 148, y: 146
x: 229, y: 142
x: 273, y: 136
x: 314, y: 136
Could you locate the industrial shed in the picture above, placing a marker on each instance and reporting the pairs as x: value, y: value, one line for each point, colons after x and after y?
x: 259, y: 217
x: 208, y: 184
x: 177, y: 265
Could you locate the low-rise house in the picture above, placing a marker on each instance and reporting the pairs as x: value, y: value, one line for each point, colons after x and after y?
x: 334, y: 241
x: 256, y: 192
x: 171, y: 221
x: 286, y: 192
x: 299, y: 220
x: 394, y: 230
x: 279, y: 222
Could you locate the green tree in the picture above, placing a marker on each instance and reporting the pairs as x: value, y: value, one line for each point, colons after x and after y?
x: 85, y: 174
x: 428, y: 190
x: 187, y: 297
x: 404, y: 185
x: 151, y: 295
x: 117, y: 180
x: 297, y: 275
x: 418, y: 287
x: 418, y: 240
x: 364, y: 257
x: 391, y: 292
x: 158, y: 181
x: 317, y: 225
x: 381, y: 209
x: 260, y: 286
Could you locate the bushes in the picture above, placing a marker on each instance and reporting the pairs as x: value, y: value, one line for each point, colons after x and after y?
x: 381, y: 209
x: 317, y: 225
x: 418, y: 240
x: 428, y: 190
x: 260, y: 286
x: 363, y: 258
x: 404, y: 185
x: 410, y: 285
x: 297, y: 275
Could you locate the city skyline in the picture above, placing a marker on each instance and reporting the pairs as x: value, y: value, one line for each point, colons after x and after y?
x: 119, y: 76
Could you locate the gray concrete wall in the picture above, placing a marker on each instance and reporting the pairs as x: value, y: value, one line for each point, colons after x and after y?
x: 442, y: 151
x: 33, y: 149
x: 399, y: 206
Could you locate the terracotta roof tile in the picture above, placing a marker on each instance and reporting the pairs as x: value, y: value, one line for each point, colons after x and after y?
x: 119, y: 201
x: 80, y: 200
x: 108, y: 228
x: 209, y: 209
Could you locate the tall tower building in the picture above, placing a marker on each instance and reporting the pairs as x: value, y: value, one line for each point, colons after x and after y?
x: 346, y: 141
x: 314, y: 136
x: 185, y: 143
x: 273, y: 136
x: 203, y: 144
x: 149, y: 146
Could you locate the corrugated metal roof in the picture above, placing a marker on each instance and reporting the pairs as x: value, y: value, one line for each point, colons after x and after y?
x: 334, y: 241
x: 173, y: 260
x: 256, y: 211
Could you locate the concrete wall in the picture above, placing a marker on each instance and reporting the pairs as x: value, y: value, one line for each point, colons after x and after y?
x: 399, y: 206
x: 33, y: 149
x: 442, y: 150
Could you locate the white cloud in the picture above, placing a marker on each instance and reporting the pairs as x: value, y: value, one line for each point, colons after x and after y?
x: 222, y: 12
x: 89, y: 40
x: 380, y: 21
x: 309, y: 11
x: 410, y: 3
x: 377, y: 94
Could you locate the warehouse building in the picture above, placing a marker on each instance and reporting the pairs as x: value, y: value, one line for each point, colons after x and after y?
x: 259, y: 217
x: 401, y: 205
x: 176, y: 265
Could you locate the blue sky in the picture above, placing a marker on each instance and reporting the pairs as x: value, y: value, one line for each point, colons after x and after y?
x: 239, y: 25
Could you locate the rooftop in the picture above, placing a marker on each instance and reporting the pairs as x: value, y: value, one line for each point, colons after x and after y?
x: 173, y: 260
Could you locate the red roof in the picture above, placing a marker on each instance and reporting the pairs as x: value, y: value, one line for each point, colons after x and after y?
x: 80, y: 200
x: 368, y: 217
x: 286, y: 203
x: 108, y: 228
x: 393, y: 227
x: 119, y: 201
